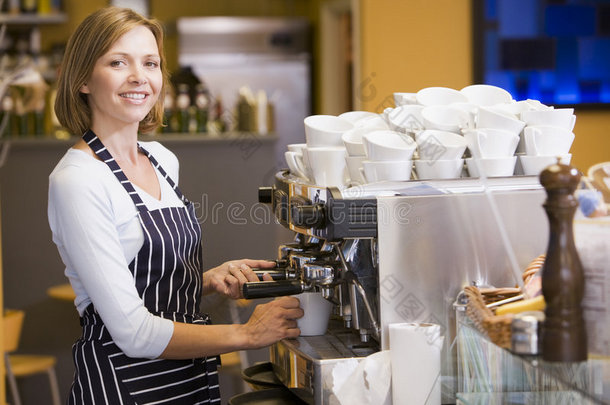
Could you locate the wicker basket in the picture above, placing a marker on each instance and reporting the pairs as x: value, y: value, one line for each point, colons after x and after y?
x: 496, y: 327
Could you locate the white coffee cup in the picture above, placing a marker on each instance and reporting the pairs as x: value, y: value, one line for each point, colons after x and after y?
x: 316, y: 315
x: 327, y: 165
x: 325, y: 130
x: 489, y: 117
x: 485, y: 94
x: 296, y: 147
x: 445, y: 118
x: 491, y: 142
x: 372, y: 122
x: 387, y: 170
x: 352, y: 140
x: 404, y: 99
x: 439, y: 169
x: 353, y: 116
x: 492, y: 167
x: 439, y: 96
x: 542, y: 140
x: 557, y: 117
x: 406, y: 119
x: 533, y: 165
x: 294, y: 160
x: 354, y: 166
x: 433, y: 144
x: 388, y: 145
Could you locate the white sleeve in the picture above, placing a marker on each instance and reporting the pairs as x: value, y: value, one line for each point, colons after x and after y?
x: 82, y: 221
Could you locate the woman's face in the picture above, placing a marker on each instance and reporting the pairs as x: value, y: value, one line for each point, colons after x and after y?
x: 126, y: 81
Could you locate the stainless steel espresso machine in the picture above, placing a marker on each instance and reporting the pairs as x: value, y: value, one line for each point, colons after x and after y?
x: 392, y: 252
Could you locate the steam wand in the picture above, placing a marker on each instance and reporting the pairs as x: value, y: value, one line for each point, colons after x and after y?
x: 351, y: 278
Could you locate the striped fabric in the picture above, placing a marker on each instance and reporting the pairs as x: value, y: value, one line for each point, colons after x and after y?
x: 167, y: 271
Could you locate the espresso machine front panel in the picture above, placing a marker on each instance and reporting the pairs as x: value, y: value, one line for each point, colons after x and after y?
x: 431, y: 247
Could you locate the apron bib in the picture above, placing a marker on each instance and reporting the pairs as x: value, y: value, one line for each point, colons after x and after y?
x: 168, y: 275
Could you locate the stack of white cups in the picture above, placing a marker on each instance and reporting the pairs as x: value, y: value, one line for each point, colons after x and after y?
x: 388, y: 156
x: 547, y: 137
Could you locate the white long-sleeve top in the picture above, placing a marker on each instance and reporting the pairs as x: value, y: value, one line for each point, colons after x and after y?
x: 97, y: 232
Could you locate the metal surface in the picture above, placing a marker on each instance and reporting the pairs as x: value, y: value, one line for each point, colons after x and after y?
x: 431, y: 247
x: 305, y: 364
x: 430, y: 239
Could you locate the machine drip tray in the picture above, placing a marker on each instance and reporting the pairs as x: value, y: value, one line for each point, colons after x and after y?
x: 305, y: 364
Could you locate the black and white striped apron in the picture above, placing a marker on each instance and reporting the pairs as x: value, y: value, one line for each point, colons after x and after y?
x: 167, y: 272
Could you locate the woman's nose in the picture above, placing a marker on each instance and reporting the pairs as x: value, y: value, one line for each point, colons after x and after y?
x: 137, y: 75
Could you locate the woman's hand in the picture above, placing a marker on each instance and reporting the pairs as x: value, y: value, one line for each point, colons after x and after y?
x: 229, y: 277
x: 273, y: 321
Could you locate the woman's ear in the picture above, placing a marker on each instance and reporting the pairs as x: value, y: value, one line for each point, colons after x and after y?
x: 84, y: 89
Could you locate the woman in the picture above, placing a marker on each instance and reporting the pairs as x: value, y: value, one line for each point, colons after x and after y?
x: 129, y: 238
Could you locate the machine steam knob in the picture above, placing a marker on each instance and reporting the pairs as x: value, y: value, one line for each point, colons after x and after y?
x: 265, y: 195
x: 308, y: 216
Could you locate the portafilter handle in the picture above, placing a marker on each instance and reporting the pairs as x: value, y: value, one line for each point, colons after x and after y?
x: 268, y: 289
x: 276, y: 274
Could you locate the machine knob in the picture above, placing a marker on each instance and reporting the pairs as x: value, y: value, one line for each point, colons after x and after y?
x: 308, y: 216
x: 265, y: 195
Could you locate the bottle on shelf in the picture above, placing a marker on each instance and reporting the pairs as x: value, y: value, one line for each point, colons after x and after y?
x: 183, y: 102
x: 202, y: 108
x: 168, y: 112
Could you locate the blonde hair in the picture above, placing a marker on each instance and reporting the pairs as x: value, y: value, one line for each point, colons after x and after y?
x: 91, y: 40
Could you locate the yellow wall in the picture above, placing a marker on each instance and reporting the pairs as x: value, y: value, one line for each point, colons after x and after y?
x: 410, y: 44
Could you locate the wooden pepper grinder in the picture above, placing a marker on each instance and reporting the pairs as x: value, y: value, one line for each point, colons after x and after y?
x: 563, y: 331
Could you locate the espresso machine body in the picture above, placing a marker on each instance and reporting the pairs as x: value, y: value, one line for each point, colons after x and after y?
x: 394, y: 252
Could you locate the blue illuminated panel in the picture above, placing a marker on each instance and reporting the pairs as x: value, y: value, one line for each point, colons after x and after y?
x: 555, y: 51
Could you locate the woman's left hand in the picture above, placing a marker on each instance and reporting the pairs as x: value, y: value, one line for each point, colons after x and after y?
x: 229, y: 277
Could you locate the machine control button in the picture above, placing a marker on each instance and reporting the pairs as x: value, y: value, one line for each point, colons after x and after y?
x: 265, y: 195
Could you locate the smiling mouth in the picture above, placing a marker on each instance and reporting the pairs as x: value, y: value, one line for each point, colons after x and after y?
x: 134, y: 96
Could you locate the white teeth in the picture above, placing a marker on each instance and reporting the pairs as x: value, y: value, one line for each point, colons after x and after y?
x: 137, y: 96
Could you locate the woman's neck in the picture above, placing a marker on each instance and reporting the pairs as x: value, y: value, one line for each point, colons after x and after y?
x: 121, y: 142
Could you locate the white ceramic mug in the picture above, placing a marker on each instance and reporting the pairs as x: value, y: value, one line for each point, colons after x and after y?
x: 325, y: 130
x: 439, y: 96
x: 492, y: 167
x: 352, y: 140
x: 327, y: 165
x: 485, y: 94
x: 491, y: 142
x: 388, y: 145
x: 541, y: 140
x: 387, y: 170
x: 439, y: 169
x: 316, y: 309
x: 353, y: 116
x: 404, y: 99
x: 557, y: 117
x: 294, y: 160
x: 490, y: 117
x: 354, y: 166
x: 440, y: 145
x: 296, y: 147
x: 533, y: 165
x: 406, y: 119
x: 445, y: 118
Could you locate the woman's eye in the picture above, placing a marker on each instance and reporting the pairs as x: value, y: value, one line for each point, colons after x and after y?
x: 116, y: 63
x: 152, y: 64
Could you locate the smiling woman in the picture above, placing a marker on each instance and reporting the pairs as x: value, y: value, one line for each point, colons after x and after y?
x: 130, y: 239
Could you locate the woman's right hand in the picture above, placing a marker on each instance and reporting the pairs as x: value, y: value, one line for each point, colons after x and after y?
x: 273, y: 321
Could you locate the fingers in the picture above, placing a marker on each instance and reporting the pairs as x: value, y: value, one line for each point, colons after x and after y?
x: 262, y: 264
x: 288, y: 302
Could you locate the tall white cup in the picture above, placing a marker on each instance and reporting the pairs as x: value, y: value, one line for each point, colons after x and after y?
x: 547, y: 140
x: 491, y: 142
x: 557, y: 117
x: 316, y: 310
x: 489, y: 117
x: 325, y: 130
x: 328, y: 166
